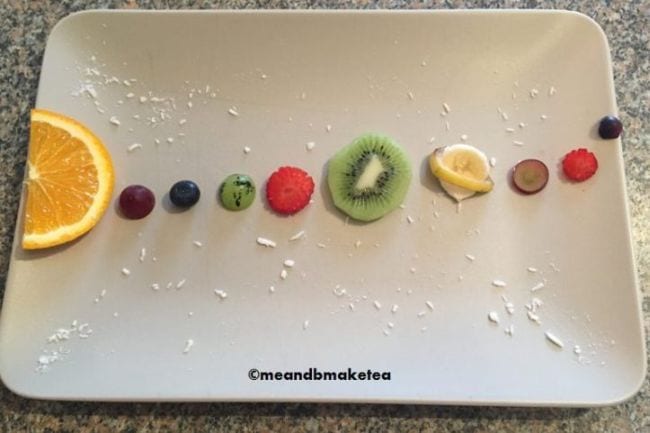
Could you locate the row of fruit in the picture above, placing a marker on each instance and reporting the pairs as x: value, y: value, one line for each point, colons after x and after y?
x: 70, y: 179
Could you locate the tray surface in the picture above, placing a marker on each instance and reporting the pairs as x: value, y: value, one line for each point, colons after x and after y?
x: 408, y: 295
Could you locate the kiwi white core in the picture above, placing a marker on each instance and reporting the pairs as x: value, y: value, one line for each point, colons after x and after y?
x: 371, y: 173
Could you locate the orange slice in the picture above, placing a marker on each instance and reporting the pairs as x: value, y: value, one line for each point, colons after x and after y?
x: 69, y: 180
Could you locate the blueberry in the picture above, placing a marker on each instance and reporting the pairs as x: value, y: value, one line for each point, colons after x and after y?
x: 610, y: 127
x: 184, y: 193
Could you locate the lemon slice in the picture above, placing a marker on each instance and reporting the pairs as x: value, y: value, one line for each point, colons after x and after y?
x: 463, y: 170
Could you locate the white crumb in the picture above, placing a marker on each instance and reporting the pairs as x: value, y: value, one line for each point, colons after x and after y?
x: 155, y: 286
x: 533, y: 317
x: 446, y: 107
x: 180, y: 284
x: 289, y: 263
x: 272, y: 289
x: 126, y: 271
x: 510, y: 330
x: 429, y: 305
x: 493, y: 317
x: 114, y: 121
x: 133, y: 147
x: 410, y: 95
x: 247, y: 150
x: 522, y: 125
x: 297, y: 236
x: 534, y: 93
x: 504, y: 115
x: 464, y: 137
x: 510, y: 130
x: 535, y: 303
x: 198, y: 244
x: 182, y: 121
x: 553, y: 339
x: 377, y: 305
x: 499, y: 283
x: 170, y: 139
x: 394, y: 309
x: 305, y: 324
x: 543, y: 117
x: 310, y: 145
x: 188, y: 345
x: 220, y: 293
x: 538, y: 286
x: 510, y: 308
x: 410, y: 219
x: 266, y: 242
x: 551, y: 91
x: 532, y: 270
x: 319, y: 245
x: 143, y: 254
x: 233, y: 111
x: 518, y: 143
x: 470, y: 257
x: 493, y: 162
x: 284, y: 274
x: 328, y: 128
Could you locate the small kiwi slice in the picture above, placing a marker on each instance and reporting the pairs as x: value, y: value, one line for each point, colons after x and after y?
x: 369, y: 177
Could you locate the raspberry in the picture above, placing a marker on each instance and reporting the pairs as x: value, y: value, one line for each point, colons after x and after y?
x: 289, y: 189
x: 579, y: 164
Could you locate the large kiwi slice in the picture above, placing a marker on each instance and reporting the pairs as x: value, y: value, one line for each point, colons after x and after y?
x: 369, y: 177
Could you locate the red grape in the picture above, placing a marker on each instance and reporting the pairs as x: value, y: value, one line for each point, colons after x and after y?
x: 530, y: 176
x: 136, y: 201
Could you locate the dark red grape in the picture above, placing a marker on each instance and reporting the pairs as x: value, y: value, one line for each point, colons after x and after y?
x: 530, y: 176
x: 610, y: 127
x: 136, y: 201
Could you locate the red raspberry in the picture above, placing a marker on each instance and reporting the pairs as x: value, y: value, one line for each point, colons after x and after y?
x: 289, y: 189
x: 579, y: 164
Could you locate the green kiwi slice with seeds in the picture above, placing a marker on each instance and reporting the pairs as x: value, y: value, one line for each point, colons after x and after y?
x: 369, y: 177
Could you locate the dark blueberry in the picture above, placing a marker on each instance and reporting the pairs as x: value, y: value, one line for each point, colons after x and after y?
x: 610, y: 127
x: 184, y: 193
x: 136, y: 201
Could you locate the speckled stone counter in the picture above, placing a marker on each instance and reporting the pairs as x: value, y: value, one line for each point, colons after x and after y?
x: 25, y: 26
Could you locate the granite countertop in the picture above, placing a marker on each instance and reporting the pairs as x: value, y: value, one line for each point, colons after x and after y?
x: 26, y: 25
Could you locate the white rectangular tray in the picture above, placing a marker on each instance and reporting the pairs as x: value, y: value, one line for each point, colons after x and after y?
x: 357, y: 296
